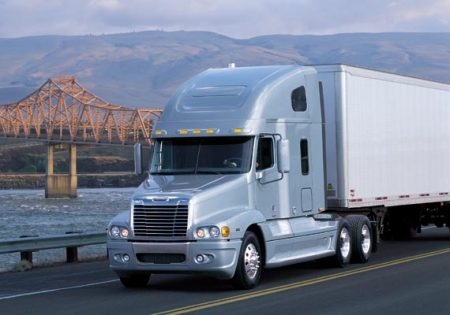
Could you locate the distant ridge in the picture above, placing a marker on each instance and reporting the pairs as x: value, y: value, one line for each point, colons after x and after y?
x: 142, y: 69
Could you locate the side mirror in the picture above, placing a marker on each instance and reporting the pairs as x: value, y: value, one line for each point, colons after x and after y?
x: 138, y: 159
x: 283, y: 156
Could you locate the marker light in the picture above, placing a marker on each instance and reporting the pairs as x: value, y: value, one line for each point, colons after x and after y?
x: 160, y: 132
x: 240, y: 130
x: 225, y: 230
x: 197, y: 131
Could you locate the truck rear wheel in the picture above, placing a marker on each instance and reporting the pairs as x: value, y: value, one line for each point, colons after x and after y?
x: 139, y: 280
x: 343, y: 245
x: 361, y: 231
x: 248, y: 270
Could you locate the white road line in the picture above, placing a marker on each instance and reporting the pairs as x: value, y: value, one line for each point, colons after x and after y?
x: 56, y: 290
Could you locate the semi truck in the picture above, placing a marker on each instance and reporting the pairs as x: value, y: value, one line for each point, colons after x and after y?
x: 263, y: 167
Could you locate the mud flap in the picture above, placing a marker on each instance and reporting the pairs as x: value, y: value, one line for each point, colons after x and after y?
x: 375, y: 236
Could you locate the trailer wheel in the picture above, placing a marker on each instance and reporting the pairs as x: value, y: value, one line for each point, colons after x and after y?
x: 139, y: 280
x: 361, y: 230
x: 248, y: 270
x: 343, y: 245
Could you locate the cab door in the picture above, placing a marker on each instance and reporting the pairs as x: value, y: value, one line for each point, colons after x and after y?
x: 267, y: 196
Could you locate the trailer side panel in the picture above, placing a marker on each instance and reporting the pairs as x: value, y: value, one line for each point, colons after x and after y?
x: 388, y: 138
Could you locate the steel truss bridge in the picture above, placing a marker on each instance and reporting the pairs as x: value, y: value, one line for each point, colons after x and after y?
x: 62, y: 111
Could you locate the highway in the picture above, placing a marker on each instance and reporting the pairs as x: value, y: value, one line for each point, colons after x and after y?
x: 403, y: 277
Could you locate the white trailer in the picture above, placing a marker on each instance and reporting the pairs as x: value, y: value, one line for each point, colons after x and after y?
x: 387, y: 145
x: 261, y: 167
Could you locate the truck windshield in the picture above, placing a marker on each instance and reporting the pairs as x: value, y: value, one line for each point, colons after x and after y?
x: 209, y: 155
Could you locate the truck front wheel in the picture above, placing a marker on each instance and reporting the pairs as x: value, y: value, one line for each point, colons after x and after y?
x: 248, y: 270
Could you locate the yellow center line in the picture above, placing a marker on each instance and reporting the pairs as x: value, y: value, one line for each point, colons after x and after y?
x: 300, y: 284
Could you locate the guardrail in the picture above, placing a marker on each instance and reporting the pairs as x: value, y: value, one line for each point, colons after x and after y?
x: 26, y: 245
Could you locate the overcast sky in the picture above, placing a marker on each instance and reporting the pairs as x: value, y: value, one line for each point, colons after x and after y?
x: 234, y: 18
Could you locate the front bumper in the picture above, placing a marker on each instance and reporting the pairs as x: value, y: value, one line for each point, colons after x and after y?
x: 214, y: 258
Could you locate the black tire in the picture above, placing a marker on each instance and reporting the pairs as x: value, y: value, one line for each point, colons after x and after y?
x: 361, y: 231
x: 138, y: 280
x: 343, y: 253
x: 249, y: 268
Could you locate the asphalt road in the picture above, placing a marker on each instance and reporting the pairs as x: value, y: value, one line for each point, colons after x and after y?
x: 403, y: 277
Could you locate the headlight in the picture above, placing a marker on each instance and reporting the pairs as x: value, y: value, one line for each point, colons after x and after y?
x: 211, y: 232
x: 200, y: 233
x: 214, y: 232
x: 118, y: 232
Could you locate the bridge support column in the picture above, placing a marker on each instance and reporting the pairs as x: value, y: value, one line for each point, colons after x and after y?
x: 61, y: 185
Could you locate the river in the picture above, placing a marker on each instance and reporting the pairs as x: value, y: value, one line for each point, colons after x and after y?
x: 29, y: 213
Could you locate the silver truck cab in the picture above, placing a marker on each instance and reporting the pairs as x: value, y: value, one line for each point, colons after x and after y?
x: 236, y: 182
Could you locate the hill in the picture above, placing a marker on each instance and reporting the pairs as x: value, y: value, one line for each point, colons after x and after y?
x: 142, y: 69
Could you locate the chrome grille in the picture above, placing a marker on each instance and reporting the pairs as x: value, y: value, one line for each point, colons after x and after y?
x: 160, y: 221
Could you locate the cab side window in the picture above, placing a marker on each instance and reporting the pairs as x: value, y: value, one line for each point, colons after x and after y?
x: 264, y: 158
x: 304, y: 156
x: 298, y: 99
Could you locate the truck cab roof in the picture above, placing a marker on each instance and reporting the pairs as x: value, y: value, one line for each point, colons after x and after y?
x: 239, y: 96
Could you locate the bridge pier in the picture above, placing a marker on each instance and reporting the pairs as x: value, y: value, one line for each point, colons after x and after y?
x: 61, y: 185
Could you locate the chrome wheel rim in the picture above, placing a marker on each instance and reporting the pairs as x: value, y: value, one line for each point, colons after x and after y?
x: 251, y: 261
x: 345, y: 242
x: 366, y: 241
